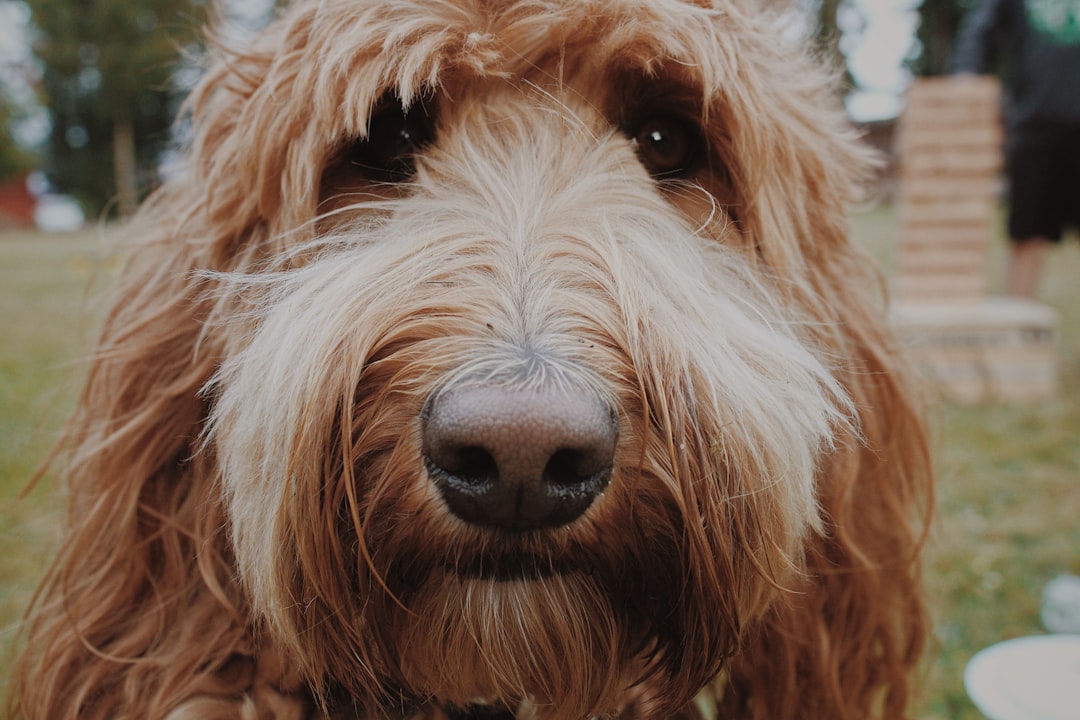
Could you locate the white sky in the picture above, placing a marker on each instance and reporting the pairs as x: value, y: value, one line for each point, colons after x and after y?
x: 14, y: 43
x: 876, y: 60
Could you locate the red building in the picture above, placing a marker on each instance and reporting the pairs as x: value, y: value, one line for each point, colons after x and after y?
x: 16, y: 203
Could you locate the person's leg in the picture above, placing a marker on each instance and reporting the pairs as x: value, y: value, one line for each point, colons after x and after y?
x: 1037, y: 205
x: 1024, y: 270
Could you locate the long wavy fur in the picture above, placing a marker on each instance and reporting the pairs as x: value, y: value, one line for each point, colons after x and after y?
x: 251, y: 532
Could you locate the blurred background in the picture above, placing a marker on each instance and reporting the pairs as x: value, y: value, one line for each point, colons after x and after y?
x: 89, y: 93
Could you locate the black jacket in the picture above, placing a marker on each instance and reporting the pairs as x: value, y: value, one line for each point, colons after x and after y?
x: 1039, y: 40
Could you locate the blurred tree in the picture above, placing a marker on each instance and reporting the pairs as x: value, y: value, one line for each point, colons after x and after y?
x: 938, y: 22
x: 14, y: 159
x: 107, y: 80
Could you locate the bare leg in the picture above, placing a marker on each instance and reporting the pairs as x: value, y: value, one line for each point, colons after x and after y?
x: 1025, y: 267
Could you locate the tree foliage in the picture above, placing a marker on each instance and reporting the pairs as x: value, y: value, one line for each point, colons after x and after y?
x: 938, y: 22
x: 13, y: 159
x: 108, y: 70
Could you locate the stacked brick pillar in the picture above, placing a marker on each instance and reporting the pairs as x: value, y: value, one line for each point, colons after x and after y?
x: 950, y: 141
x: 970, y: 345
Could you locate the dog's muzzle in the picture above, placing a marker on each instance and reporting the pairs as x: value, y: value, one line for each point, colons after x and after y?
x: 518, y: 457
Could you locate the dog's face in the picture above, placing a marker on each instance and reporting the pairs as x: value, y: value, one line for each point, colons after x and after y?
x: 527, y: 403
x: 494, y: 357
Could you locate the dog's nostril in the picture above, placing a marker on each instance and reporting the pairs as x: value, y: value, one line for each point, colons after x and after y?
x: 472, y: 464
x: 571, y: 467
x: 517, y: 458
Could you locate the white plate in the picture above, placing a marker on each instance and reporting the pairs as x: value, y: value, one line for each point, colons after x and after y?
x: 1031, y: 678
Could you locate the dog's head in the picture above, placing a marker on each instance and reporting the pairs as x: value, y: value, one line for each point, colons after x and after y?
x: 531, y: 354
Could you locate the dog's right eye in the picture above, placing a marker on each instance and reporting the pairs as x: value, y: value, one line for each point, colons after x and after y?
x: 395, y: 135
x: 668, y: 146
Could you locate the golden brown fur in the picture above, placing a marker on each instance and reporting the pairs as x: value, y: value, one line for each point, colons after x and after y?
x: 252, y: 531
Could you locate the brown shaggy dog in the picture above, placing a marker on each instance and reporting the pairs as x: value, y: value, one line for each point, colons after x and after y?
x: 491, y: 360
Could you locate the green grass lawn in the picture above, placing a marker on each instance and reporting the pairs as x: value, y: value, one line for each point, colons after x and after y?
x: 46, y: 321
x: 1009, y: 476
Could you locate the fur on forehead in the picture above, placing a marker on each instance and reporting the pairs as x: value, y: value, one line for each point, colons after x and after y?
x: 329, y: 62
x: 355, y: 51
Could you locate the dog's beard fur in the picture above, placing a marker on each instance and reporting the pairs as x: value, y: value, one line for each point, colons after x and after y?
x: 752, y: 520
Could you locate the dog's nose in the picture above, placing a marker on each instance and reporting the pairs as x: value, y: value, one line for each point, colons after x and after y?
x: 518, y: 458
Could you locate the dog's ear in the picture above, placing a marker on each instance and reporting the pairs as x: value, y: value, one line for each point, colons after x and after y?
x: 145, y: 565
x: 844, y: 643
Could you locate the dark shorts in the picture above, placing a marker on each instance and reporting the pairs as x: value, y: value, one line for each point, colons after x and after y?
x: 1043, y: 165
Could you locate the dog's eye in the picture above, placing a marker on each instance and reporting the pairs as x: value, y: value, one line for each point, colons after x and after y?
x: 395, y: 135
x: 668, y: 146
